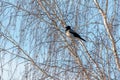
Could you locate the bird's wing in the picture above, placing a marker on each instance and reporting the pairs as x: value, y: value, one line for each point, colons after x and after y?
x: 72, y: 31
x: 76, y: 35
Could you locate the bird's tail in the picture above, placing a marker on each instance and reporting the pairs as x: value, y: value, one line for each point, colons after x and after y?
x: 82, y: 39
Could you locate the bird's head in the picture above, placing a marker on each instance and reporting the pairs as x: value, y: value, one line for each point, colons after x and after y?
x: 68, y: 27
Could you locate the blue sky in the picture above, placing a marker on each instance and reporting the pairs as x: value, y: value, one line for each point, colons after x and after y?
x: 15, y: 27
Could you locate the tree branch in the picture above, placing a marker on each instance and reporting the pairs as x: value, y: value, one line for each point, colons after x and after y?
x: 109, y: 34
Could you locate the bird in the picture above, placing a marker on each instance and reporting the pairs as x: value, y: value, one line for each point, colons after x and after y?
x: 71, y: 33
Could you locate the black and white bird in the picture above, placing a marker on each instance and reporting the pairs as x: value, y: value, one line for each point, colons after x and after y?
x: 71, y: 33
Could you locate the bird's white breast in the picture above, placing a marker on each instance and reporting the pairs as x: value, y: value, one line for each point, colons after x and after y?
x: 68, y: 33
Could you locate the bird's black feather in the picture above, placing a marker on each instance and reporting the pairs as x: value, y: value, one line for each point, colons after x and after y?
x: 76, y: 35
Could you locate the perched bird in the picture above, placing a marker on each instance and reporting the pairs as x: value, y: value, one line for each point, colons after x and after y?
x: 71, y: 33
